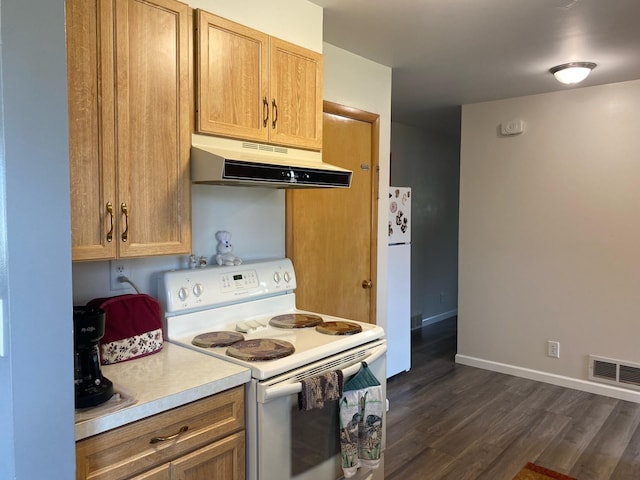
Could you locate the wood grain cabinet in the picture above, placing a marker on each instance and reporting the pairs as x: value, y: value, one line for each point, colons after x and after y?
x: 202, y: 440
x: 130, y: 109
x: 256, y: 87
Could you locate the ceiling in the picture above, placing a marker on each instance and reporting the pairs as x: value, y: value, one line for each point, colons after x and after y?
x: 445, y: 53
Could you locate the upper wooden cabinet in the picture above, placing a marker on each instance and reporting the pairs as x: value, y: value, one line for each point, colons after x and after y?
x: 256, y: 87
x: 129, y: 79
x: 91, y: 128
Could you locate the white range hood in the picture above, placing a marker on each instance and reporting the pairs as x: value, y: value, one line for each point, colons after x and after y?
x: 224, y: 161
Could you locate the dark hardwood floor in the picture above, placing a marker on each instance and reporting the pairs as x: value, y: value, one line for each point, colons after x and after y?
x: 455, y: 422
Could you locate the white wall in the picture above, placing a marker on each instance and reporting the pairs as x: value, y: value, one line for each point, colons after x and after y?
x: 550, y: 230
x: 36, y: 409
x: 429, y: 162
x: 356, y: 82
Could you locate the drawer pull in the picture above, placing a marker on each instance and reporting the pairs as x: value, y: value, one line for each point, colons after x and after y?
x: 170, y: 437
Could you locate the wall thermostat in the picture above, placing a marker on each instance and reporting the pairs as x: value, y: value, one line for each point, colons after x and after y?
x: 512, y: 127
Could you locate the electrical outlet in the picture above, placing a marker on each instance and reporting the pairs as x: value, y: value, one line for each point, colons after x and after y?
x: 117, y: 269
x: 553, y: 349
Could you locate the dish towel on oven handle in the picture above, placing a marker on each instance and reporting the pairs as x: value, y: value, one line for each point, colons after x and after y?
x: 361, y: 411
x: 319, y: 389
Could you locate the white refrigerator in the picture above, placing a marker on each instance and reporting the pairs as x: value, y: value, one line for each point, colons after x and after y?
x: 398, y: 327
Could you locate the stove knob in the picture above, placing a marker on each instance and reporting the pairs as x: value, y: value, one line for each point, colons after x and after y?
x: 276, y: 277
x: 287, y: 277
x: 183, y: 294
x: 198, y: 289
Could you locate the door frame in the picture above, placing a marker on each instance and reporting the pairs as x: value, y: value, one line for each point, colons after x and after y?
x: 373, y: 119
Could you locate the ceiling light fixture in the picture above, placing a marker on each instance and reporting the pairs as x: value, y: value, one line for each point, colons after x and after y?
x: 572, y: 73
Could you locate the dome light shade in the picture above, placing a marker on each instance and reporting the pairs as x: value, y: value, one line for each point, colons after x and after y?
x: 572, y: 73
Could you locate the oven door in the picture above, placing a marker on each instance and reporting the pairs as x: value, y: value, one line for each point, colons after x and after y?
x: 305, y: 445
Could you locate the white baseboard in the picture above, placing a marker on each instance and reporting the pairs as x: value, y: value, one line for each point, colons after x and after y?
x: 568, y: 382
x: 439, y: 317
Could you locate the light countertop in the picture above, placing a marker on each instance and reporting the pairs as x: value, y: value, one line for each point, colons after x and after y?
x: 170, y: 378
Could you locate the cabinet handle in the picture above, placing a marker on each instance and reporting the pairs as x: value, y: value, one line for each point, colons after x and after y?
x: 367, y: 284
x: 274, y: 107
x: 125, y: 210
x: 265, y: 112
x: 110, y: 212
x: 169, y: 437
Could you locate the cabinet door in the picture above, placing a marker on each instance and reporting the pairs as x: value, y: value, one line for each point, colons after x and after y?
x: 223, y: 459
x: 232, y: 79
x: 296, y: 89
x: 91, y: 134
x: 153, y: 127
x: 160, y: 473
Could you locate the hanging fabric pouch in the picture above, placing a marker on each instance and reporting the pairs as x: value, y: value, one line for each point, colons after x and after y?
x: 361, y: 412
x: 133, y: 327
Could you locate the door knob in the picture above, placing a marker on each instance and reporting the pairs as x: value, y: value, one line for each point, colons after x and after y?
x: 367, y: 284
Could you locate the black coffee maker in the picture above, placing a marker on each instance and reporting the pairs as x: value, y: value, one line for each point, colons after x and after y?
x: 92, y: 388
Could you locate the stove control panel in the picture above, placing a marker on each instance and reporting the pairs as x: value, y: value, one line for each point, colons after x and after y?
x: 182, y: 290
x: 236, y: 281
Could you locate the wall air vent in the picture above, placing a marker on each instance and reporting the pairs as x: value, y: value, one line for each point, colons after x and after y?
x: 630, y: 375
x: 614, y: 372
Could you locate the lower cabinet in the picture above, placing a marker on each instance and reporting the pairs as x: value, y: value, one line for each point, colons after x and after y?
x: 160, y: 473
x: 223, y: 459
x: 201, y: 440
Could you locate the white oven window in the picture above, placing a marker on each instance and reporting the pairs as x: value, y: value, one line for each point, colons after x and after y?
x: 315, y: 439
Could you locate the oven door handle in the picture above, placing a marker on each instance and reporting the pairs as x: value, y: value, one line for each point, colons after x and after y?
x: 278, y: 391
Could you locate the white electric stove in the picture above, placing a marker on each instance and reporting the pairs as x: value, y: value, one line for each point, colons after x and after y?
x: 247, y: 305
x: 244, y: 299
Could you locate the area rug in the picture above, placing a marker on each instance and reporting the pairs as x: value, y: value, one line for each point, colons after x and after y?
x: 532, y: 471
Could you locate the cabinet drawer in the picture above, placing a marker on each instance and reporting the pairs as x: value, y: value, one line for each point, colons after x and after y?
x: 137, y: 447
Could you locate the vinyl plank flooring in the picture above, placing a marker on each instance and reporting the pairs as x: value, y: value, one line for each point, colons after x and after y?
x: 457, y: 411
x: 429, y: 464
x: 603, y: 453
x: 466, y: 467
x: 455, y: 422
x: 629, y: 464
x: 587, y: 418
x: 528, y: 444
x: 478, y: 426
x: 570, y: 401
